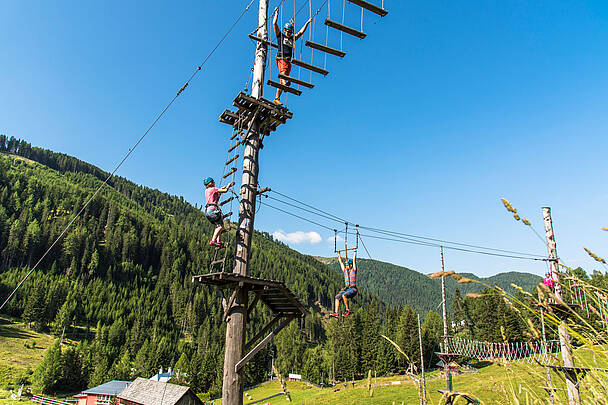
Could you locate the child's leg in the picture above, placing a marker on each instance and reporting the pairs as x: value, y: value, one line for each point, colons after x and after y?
x: 216, y: 233
x: 337, y: 305
x: 346, y: 303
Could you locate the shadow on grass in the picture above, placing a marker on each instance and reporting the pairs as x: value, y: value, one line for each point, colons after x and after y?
x: 480, y: 364
x: 13, y: 332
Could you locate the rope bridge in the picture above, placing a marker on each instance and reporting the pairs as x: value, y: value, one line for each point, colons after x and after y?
x: 525, y: 352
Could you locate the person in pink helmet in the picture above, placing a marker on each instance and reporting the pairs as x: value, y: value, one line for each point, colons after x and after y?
x: 212, y: 210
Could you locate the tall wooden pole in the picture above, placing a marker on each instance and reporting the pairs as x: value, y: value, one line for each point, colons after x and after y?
x: 446, y: 370
x: 547, y: 369
x: 423, y: 396
x: 232, y: 390
x: 565, y: 342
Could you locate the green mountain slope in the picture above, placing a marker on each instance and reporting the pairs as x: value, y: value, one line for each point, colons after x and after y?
x: 399, y: 285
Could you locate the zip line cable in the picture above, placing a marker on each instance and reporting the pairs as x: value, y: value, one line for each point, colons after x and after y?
x: 127, y: 155
x: 396, y: 301
x: 403, y: 237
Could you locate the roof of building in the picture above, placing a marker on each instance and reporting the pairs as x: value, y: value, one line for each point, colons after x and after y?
x: 110, y: 388
x: 162, y: 377
x: 149, y: 392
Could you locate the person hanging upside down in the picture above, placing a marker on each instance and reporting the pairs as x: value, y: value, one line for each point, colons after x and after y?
x: 349, y: 268
x: 285, y: 41
x: 212, y: 209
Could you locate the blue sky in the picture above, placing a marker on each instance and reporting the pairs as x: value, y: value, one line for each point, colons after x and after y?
x: 442, y: 110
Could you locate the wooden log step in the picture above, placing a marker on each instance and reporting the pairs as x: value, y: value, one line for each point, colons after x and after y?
x: 226, y: 201
x: 344, y: 28
x: 324, y: 48
x: 233, y: 147
x: 370, y: 7
x: 227, y: 215
x: 231, y: 184
x: 236, y: 133
x: 230, y: 172
x: 308, y: 66
x: 264, y: 41
x: 213, y: 263
x: 233, y: 159
x: 296, y: 81
x: 286, y: 89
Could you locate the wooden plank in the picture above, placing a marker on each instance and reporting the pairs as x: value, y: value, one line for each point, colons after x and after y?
x: 324, y: 48
x: 227, y: 215
x: 345, y: 29
x: 296, y: 81
x: 286, y: 89
x: 213, y: 263
x: 226, y: 201
x: 235, y: 157
x: 370, y: 7
x: 308, y: 66
x: 264, y: 41
x: 229, y: 173
x: 233, y: 147
x: 262, y: 343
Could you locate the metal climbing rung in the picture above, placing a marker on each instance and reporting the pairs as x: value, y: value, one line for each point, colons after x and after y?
x: 213, y: 263
x: 264, y: 41
x: 233, y: 147
x: 230, y: 172
x: 308, y: 66
x: 226, y: 201
x: 233, y: 159
x: 227, y: 215
x: 286, y: 89
x: 344, y: 28
x: 370, y: 7
x: 296, y: 81
x: 324, y: 48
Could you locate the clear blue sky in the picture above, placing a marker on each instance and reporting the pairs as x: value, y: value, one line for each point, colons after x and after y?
x: 443, y: 109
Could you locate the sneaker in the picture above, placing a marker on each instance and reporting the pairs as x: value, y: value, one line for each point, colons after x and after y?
x: 216, y: 244
x: 334, y: 315
x: 277, y: 101
x: 347, y: 313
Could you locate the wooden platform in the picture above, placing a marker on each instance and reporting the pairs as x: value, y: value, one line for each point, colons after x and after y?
x: 370, y: 7
x: 274, y: 294
x: 308, y: 66
x: 323, y: 48
x: 345, y: 29
x: 269, y: 114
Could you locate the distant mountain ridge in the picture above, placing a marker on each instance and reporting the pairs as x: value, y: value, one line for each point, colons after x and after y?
x: 404, y: 286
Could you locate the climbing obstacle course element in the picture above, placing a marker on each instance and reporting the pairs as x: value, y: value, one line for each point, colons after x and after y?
x: 249, y: 109
x: 308, y: 66
x: 526, y: 352
x: 275, y: 295
x: 370, y: 7
x: 324, y: 48
x: 346, y: 29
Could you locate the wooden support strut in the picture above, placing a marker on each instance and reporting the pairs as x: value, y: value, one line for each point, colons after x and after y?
x: 296, y: 81
x: 263, y: 343
x: 324, y: 48
x: 345, y: 29
x: 286, y: 89
x: 264, y: 41
x: 308, y: 66
x: 370, y: 7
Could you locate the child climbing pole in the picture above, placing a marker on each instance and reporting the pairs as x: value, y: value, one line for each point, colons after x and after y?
x: 285, y: 41
x: 213, y: 211
x: 349, y: 269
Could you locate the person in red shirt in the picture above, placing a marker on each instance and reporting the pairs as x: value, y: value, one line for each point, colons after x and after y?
x: 285, y: 42
x: 212, y: 210
x: 349, y: 269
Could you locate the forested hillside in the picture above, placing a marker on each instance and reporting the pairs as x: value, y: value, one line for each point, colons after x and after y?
x: 123, y: 273
x: 402, y: 286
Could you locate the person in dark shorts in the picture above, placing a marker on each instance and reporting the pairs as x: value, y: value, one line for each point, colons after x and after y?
x: 285, y: 42
x: 212, y: 209
x: 349, y: 268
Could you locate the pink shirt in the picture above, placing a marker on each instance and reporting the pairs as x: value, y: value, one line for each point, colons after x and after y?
x: 212, y: 196
x: 549, y: 282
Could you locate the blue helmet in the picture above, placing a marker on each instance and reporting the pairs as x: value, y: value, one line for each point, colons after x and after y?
x: 207, y: 181
x: 288, y: 26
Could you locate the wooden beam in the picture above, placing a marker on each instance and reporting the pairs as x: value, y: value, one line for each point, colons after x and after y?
x: 345, y: 29
x: 264, y: 41
x: 308, y: 66
x: 230, y: 172
x: 286, y: 89
x: 263, y: 343
x: 370, y: 7
x: 229, y: 306
x: 235, y: 157
x: 226, y: 201
x: 262, y: 332
x: 296, y: 81
x: 324, y: 48
x: 251, y: 306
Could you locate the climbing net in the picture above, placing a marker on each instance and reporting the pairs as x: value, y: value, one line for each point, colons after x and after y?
x: 522, y: 352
